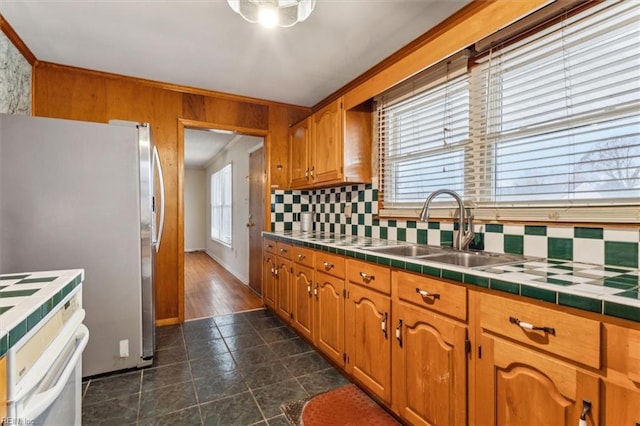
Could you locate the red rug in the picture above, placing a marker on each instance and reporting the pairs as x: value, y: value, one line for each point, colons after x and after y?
x: 347, y: 405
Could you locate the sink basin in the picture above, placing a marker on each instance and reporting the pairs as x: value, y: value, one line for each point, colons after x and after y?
x: 474, y: 259
x: 408, y: 250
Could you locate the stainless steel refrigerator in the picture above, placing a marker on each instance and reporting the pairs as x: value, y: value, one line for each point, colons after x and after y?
x: 81, y: 195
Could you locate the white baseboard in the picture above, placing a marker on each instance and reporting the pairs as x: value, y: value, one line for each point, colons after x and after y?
x: 243, y: 278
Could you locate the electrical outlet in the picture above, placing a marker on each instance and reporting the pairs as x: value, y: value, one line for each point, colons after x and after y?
x: 124, y: 348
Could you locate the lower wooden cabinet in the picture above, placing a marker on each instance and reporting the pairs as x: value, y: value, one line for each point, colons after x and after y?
x: 284, y: 299
x: 440, y: 353
x: 269, y: 280
x: 429, y: 369
x: 518, y: 386
x: 329, y: 316
x: 368, y: 336
x: 303, y: 303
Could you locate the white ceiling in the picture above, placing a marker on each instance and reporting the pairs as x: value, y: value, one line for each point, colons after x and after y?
x: 200, y: 146
x: 204, y: 44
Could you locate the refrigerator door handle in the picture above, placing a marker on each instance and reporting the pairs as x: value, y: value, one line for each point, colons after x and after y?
x: 156, y: 159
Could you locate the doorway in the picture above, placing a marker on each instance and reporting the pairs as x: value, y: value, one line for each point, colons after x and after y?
x: 223, y: 211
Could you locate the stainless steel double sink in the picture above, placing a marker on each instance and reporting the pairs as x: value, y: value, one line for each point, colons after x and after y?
x: 468, y: 259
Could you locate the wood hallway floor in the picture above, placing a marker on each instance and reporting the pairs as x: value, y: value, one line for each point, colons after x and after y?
x: 210, y: 290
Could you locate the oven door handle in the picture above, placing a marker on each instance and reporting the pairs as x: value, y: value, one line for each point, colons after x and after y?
x: 45, y: 399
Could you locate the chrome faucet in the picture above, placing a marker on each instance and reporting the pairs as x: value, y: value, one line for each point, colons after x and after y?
x: 465, y: 236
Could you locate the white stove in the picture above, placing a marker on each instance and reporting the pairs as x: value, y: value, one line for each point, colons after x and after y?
x: 45, y: 337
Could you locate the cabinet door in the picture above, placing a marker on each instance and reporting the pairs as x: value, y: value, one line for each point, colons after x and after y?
x: 269, y: 280
x: 284, y: 286
x: 520, y: 386
x: 429, y: 368
x: 329, y: 316
x: 299, y: 161
x: 326, y: 162
x: 622, y: 404
x: 303, y: 300
x: 368, y: 339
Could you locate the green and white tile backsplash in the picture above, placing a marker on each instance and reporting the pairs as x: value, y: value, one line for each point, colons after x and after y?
x: 603, y: 246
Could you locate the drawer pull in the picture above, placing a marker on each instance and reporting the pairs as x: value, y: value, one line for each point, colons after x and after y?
x: 327, y: 265
x: 301, y: 256
x: 425, y: 293
x: 309, y: 288
x: 367, y: 278
x: 283, y: 250
x: 315, y: 291
x: 269, y: 246
x: 399, y: 333
x: 527, y: 326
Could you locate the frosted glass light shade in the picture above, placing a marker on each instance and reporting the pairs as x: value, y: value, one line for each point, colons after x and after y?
x: 287, y: 12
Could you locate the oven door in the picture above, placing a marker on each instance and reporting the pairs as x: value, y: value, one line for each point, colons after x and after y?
x: 56, y: 398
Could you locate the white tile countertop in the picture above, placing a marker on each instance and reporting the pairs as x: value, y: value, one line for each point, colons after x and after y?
x: 608, y: 290
x: 26, y: 298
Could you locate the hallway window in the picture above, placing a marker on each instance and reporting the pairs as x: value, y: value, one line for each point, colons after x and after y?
x: 221, y: 201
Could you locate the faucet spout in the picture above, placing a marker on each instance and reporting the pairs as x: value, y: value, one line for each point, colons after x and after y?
x: 465, y: 236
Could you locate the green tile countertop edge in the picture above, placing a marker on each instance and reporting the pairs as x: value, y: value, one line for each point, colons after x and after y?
x: 18, y: 331
x: 483, y: 280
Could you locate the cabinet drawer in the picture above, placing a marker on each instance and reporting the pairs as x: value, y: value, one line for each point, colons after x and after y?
x: 269, y: 246
x: 332, y: 264
x: 284, y: 250
x: 573, y: 337
x: 369, y: 275
x: 431, y: 293
x: 303, y: 256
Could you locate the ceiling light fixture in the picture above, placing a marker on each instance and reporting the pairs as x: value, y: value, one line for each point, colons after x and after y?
x: 272, y: 13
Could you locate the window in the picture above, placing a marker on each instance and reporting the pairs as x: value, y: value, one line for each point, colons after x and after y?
x: 423, y: 129
x: 221, y: 205
x: 553, y: 122
x: 561, y: 111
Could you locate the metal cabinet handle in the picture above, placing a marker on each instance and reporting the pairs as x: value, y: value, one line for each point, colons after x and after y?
x: 586, y: 408
x: 399, y: 333
x: 283, y: 250
x: 306, y: 173
x: 328, y: 265
x: 269, y: 246
x: 425, y: 293
x: 315, y: 291
x: 311, y: 172
x: 309, y: 288
x: 529, y: 326
x: 367, y: 278
x: 383, y: 325
x: 301, y: 256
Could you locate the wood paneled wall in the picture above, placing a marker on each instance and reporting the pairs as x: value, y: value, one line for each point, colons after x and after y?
x: 78, y: 94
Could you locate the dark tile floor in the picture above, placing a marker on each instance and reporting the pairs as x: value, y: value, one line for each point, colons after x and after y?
x: 228, y: 370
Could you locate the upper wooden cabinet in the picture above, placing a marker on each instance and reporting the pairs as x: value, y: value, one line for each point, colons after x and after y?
x: 332, y: 146
x: 299, y: 154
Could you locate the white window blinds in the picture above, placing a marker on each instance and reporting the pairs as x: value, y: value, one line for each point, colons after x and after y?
x: 423, y: 129
x: 556, y: 115
x: 544, y: 126
x: 221, y: 205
